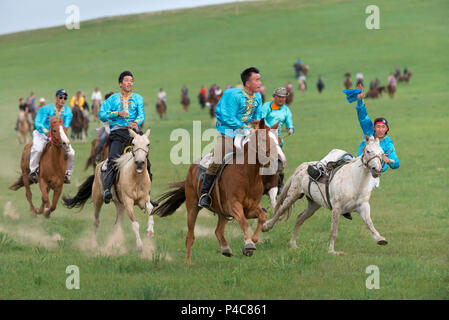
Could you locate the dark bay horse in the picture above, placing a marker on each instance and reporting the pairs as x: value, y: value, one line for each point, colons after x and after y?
x: 161, y: 108
x: 240, y: 191
x: 348, y: 83
x: 52, y: 168
x: 92, y: 160
x: 79, y: 125
x: 185, y: 101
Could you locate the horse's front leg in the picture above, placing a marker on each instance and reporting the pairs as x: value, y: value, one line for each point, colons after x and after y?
x: 149, y: 209
x: 238, y: 214
x: 44, y: 191
x: 261, y: 218
x: 365, y: 213
x: 129, y: 207
x: 334, y: 231
x: 56, y: 194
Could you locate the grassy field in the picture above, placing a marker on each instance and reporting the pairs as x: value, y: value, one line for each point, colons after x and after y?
x: 212, y: 45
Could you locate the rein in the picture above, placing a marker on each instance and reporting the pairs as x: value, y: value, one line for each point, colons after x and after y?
x: 366, y: 163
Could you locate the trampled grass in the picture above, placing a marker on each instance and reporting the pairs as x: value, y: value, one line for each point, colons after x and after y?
x: 212, y: 45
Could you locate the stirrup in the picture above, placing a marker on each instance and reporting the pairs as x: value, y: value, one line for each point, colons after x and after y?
x: 347, y: 215
x: 205, y: 201
x: 67, y: 179
x: 107, y: 196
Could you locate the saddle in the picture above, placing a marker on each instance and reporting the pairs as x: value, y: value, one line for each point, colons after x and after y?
x: 327, y: 174
x: 202, y: 165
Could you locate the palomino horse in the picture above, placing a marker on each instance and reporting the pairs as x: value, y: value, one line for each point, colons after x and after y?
x: 79, y: 125
x: 132, y: 188
x: 185, y: 101
x: 349, y: 191
x: 52, y: 168
x: 92, y: 160
x: 161, y: 108
x: 23, y: 127
x: 95, y: 109
x: 240, y: 191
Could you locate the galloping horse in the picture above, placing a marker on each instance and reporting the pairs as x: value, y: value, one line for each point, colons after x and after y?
x: 132, y: 188
x: 349, y: 190
x: 79, y: 125
x: 52, y: 168
x: 391, y: 90
x: 348, y: 83
x: 92, y: 160
x: 161, y: 108
x: 185, y: 101
x: 239, y: 191
x: 23, y: 127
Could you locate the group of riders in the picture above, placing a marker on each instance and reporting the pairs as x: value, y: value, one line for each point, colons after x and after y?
x: 235, y: 112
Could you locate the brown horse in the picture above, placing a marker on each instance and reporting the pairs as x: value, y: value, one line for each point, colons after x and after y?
x: 23, y: 127
x: 161, y: 108
x: 391, y: 90
x: 92, y: 160
x: 240, y: 191
x: 289, y: 99
x: 52, y: 168
x: 348, y: 83
x: 79, y: 125
x: 185, y: 101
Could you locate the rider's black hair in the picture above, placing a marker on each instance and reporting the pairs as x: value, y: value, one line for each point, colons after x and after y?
x: 246, y: 74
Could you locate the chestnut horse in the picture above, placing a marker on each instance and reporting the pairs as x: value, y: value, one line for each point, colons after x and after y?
x: 92, y: 160
x: 23, y: 127
x: 240, y: 191
x: 52, y: 168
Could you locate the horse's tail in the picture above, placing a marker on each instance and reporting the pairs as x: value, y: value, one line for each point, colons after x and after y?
x: 84, y: 193
x: 287, y: 198
x: 17, y: 185
x: 172, y: 200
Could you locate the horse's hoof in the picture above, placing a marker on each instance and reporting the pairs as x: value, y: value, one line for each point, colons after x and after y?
x: 226, y: 252
x: 382, y: 242
x: 337, y: 253
x: 248, y: 249
x: 149, y: 234
x: 265, y: 227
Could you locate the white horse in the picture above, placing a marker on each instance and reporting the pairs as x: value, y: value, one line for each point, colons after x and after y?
x: 133, y: 188
x: 349, y: 191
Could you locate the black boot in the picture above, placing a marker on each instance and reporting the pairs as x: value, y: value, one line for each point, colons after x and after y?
x: 205, y: 199
x: 314, y: 172
x: 280, y: 183
x: 108, y: 180
x: 347, y: 215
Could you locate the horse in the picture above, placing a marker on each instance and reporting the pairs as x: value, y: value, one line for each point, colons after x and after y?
x: 161, y: 108
x: 391, y: 90
x: 52, y: 168
x: 289, y: 99
x: 92, y: 160
x: 348, y: 83
x: 407, y: 77
x: 79, y: 124
x: 23, y: 127
x: 185, y: 101
x: 132, y: 188
x: 349, y: 191
x: 304, y: 69
x: 235, y: 196
x: 95, y: 109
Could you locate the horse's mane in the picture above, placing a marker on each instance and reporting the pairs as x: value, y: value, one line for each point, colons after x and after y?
x: 121, y: 162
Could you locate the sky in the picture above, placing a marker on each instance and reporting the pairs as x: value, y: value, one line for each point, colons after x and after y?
x: 21, y: 15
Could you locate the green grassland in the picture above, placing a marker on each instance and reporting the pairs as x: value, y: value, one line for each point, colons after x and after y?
x: 212, y: 45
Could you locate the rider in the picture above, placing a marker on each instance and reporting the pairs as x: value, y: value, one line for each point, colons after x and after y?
x: 234, y: 112
x: 162, y: 96
x: 274, y: 111
x: 392, y: 80
x: 79, y: 100
x: 123, y: 110
x: 41, y: 134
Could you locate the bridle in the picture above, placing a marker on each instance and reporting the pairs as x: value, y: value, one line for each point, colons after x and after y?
x: 366, y: 163
x: 56, y: 121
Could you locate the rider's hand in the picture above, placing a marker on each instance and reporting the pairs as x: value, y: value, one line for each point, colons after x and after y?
x: 386, y: 159
x: 361, y: 94
x: 122, y: 114
x: 133, y: 125
x: 290, y: 131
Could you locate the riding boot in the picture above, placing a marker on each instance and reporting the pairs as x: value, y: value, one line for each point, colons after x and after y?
x: 314, y: 172
x: 347, y: 215
x: 280, y: 182
x: 108, y: 181
x: 205, y: 199
x: 154, y: 203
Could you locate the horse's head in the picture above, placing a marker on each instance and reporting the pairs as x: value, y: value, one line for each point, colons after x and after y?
x: 268, y: 144
x: 58, y: 133
x: 140, y: 148
x: 372, y: 156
